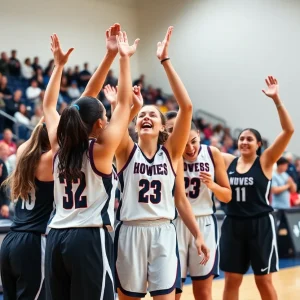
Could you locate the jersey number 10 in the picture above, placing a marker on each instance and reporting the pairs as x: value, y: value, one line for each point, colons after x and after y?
x: 240, y: 194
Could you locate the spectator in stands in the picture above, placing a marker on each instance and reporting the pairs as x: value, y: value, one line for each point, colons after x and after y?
x: 4, y: 200
x: 4, y: 154
x: 27, y: 69
x: 4, y: 69
x: 297, y: 165
x: 12, y: 106
x: 84, y: 76
x: 140, y: 80
x: 14, y: 65
x: 64, y: 89
x: 36, y: 64
x: 38, y: 114
x: 227, y: 144
x: 110, y: 79
x: 39, y: 78
x: 218, y: 132
x: 214, y: 141
x: 49, y: 68
x: 291, y: 167
x: 208, y: 131
x: 5, y: 92
x: 159, y: 95
x: 11, y: 160
x: 33, y: 92
x: 21, y: 115
x: 282, y: 185
x: 8, y: 140
x: 73, y: 91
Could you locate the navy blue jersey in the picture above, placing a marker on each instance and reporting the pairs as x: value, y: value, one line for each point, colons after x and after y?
x: 250, y: 191
x: 34, y: 213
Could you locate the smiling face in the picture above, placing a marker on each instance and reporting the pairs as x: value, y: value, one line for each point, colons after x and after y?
x: 192, y: 147
x: 248, y: 143
x: 149, y: 122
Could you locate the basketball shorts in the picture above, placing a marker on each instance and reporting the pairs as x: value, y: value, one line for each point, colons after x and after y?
x: 189, y: 258
x: 22, y: 266
x: 79, y: 264
x: 146, y: 255
x: 249, y: 242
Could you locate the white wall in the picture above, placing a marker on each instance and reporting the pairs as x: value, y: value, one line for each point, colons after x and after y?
x: 223, y: 50
x: 27, y: 26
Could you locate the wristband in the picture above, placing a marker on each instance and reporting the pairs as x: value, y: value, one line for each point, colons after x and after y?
x: 164, y: 59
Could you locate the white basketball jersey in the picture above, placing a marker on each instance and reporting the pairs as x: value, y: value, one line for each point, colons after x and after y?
x: 147, y: 187
x: 88, y: 202
x: 199, y: 195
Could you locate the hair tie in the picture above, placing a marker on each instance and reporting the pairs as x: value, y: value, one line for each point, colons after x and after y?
x: 76, y: 106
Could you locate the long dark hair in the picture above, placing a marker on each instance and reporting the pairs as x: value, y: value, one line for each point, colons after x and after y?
x: 257, y: 136
x: 75, y: 125
x: 22, y: 181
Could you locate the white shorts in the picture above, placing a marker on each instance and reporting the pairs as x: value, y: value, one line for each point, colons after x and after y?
x: 189, y: 258
x: 147, y: 257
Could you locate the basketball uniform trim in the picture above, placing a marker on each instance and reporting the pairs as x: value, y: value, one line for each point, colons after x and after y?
x: 117, y: 280
x: 43, y: 249
x: 129, y: 159
x: 274, y: 246
x: 169, y: 158
x: 91, y: 157
x: 211, y: 156
x: 215, y: 267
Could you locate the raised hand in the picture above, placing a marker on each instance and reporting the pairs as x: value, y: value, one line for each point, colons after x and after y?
x: 137, y: 98
x: 60, y: 58
x: 111, y: 38
x: 273, y: 87
x: 123, y: 46
x: 162, y: 47
x: 110, y: 94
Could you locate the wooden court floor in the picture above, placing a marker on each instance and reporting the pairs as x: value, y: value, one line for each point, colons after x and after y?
x: 286, y: 281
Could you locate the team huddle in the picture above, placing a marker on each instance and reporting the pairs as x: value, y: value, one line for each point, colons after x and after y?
x: 60, y: 246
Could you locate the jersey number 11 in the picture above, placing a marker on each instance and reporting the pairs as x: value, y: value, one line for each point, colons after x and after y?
x: 240, y: 194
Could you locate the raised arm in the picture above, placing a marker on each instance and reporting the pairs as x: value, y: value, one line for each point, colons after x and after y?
x: 114, y: 132
x: 52, y: 91
x: 126, y: 145
x: 273, y: 153
x: 186, y: 213
x: 179, y: 137
x: 97, y: 80
x: 220, y: 188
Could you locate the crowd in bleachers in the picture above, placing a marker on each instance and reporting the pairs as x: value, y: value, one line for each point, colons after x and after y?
x: 22, y: 88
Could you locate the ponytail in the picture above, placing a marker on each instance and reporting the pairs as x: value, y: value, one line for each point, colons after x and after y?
x: 75, y: 125
x: 73, y: 141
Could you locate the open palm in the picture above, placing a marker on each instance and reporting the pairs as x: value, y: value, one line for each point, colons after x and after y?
x: 110, y: 94
x: 162, y: 47
x: 124, y: 48
x: 60, y: 58
x: 111, y: 38
x: 272, y: 87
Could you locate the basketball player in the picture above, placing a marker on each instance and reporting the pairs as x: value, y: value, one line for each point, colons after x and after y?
x: 145, y: 241
x: 79, y: 248
x: 248, y: 235
x: 202, y: 164
x: 23, y: 248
